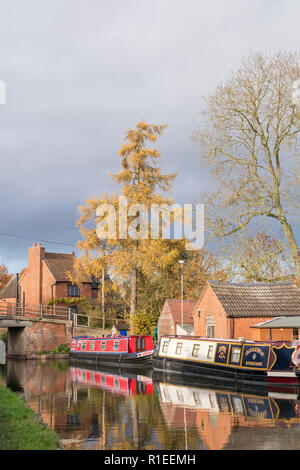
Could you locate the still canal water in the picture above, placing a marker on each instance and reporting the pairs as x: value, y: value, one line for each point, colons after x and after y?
x: 117, y: 410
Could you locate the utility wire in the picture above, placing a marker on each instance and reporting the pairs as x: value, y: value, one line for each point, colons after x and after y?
x: 37, y: 238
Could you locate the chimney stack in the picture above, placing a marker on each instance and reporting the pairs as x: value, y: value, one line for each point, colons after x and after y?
x: 35, y: 256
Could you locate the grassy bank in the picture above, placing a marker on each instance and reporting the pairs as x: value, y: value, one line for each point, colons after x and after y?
x: 21, y: 428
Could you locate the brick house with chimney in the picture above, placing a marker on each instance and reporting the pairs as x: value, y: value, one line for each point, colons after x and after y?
x: 231, y: 310
x: 45, y: 278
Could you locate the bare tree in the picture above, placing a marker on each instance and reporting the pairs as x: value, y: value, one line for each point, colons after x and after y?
x: 257, y: 257
x: 249, y: 137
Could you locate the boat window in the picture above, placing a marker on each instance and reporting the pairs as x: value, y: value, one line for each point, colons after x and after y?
x: 103, y: 345
x: 235, y: 355
x: 210, y: 351
x: 83, y: 346
x: 142, y: 343
x: 138, y: 343
x: 165, y: 346
x: 92, y: 346
x: 197, y: 398
x: 180, y: 395
x: 116, y: 383
x: 178, y: 348
x: 116, y: 345
x: 196, y: 349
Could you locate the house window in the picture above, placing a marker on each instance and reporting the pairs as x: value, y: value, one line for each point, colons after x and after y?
x: 73, y: 290
x: 178, y: 348
x: 116, y: 345
x: 199, y: 313
x: 210, y: 351
x: 196, y: 349
x: 210, y: 327
x: 165, y: 346
x: 236, y: 355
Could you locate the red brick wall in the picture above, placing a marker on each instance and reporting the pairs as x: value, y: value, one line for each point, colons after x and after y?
x: 61, y: 290
x: 38, y: 283
x: 41, y: 335
x: 259, y: 334
x: 209, y: 305
x: 31, y: 281
x: 48, y: 284
x: 45, y: 336
x: 165, y: 322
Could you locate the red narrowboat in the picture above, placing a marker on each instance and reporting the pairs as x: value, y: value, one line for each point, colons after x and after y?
x: 121, y: 351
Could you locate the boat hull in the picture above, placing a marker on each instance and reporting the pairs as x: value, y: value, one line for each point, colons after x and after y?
x: 113, y: 351
x: 206, y: 371
x: 113, y: 360
x: 258, y: 364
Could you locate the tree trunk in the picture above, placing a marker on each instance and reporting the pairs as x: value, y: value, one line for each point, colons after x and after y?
x: 294, y: 249
x: 103, y: 299
x: 133, y: 297
x: 288, y: 231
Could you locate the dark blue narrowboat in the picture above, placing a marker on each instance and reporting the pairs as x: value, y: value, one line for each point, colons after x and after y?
x: 233, y: 361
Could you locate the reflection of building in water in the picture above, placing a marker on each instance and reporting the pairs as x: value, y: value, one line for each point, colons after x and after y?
x: 79, y: 403
x: 216, y: 414
x: 2, y: 352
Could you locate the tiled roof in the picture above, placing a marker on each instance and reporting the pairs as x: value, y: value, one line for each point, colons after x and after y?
x: 258, y: 299
x: 58, y: 264
x: 9, y: 290
x: 175, y: 309
x: 280, y: 322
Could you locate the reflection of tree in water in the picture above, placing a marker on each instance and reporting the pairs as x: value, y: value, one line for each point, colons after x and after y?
x: 92, y: 441
x: 129, y: 422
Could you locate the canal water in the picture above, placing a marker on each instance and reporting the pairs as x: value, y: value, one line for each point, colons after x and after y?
x: 117, y: 410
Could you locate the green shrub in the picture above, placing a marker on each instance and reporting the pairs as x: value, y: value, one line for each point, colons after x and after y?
x: 144, y: 323
x: 61, y: 349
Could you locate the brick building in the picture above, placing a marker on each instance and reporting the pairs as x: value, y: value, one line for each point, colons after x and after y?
x: 45, y: 278
x: 8, y: 292
x: 169, y: 322
x: 230, y: 310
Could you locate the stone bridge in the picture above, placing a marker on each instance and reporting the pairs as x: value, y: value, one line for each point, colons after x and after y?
x: 32, y: 331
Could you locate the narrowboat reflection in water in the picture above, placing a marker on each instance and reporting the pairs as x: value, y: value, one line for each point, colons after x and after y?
x: 117, y: 382
x: 193, y: 404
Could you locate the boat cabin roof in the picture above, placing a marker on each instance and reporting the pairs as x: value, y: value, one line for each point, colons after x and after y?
x: 230, y: 340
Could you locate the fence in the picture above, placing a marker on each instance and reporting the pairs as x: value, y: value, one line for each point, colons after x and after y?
x: 91, y: 321
x: 56, y: 312
x: 34, y: 311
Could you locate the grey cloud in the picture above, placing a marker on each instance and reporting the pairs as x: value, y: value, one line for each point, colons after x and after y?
x: 79, y: 74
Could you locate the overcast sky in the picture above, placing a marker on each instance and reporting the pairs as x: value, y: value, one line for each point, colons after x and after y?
x: 79, y: 73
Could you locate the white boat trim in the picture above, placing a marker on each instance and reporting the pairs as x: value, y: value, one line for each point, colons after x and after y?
x: 281, y: 374
x: 285, y: 396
